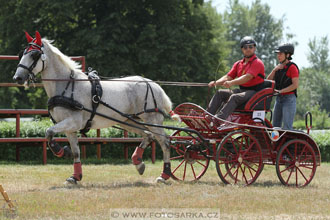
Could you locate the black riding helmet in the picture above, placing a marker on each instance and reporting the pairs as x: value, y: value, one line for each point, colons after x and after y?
x: 247, y: 40
x: 285, y: 48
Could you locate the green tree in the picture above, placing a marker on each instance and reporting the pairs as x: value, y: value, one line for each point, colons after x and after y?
x: 162, y: 40
x: 314, y: 82
x: 256, y: 21
x: 318, y: 55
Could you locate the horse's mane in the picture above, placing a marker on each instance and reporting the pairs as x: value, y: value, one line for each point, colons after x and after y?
x: 65, y: 59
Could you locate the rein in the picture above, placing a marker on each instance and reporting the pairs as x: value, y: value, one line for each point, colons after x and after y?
x: 96, y: 100
x: 168, y: 83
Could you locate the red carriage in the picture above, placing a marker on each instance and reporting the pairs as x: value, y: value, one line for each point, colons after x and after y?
x: 242, y: 145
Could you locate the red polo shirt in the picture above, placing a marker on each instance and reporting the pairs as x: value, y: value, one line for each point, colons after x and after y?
x: 255, y: 67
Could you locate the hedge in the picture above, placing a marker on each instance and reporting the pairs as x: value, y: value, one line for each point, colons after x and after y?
x: 37, y: 128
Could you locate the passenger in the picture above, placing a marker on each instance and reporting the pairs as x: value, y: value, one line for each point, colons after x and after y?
x: 286, y: 76
x: 248, y: 74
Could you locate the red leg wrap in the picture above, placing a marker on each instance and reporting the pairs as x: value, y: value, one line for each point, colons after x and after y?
x: 60, y: 153
x: 77, y: 171
x: 165, y: 176
x: 166, y: 171
x: 137, y: 156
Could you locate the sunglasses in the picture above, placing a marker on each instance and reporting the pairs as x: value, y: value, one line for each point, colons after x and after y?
x: 248, y: 46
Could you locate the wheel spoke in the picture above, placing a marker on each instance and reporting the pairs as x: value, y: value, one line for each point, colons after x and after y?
x: 289, y: 153
x: 302, y: 174
x: 230, y: 161
x: 249, y: 147
x: 301, y: 153
x: 252, y: 156
x: 192, y: 168
x: 225, y: 149
x: 184, y: 172
x: 287, y: 168
x: 289, y: 177
x: 307, y: 167
x: 178, y: 166
x: 229, y: 171
x: 249, y: 167
x: 296, y: 178
x: 200, y: 163
x: 179, y: 151
x: 177, y: 157
x: 307, y: 158
x: 243, y: 173
x: 233, y: 144
x: 237, y: 173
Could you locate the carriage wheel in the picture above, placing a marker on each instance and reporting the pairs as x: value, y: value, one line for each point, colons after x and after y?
x: 296, y: 163
x: 239, y: 158
x: 229, y: 165
x: 187, y: 164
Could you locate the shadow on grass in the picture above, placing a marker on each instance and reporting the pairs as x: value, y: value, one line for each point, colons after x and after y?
x: 62, y: 161
x: 267, y: 184
x: 220, y: 183
x: 118, y: 185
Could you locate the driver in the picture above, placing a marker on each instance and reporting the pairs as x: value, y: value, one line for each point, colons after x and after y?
x: 248, y: 74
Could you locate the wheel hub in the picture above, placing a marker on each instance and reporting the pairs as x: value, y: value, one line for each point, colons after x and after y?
x: 240, y: 159
x: 188, y: 156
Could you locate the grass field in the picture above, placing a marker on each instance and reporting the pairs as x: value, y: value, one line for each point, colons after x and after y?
x: 39, y: 193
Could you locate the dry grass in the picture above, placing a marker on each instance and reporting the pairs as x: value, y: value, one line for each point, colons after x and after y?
x: 40, y: 194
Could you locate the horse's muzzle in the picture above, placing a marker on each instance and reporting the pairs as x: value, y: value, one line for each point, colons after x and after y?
x: 20, y: 77
x: 19, y: 80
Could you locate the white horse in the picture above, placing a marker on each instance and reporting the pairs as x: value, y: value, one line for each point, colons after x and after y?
x: 128, y: 96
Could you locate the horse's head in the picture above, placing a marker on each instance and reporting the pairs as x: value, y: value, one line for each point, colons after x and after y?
x: 32, y: 60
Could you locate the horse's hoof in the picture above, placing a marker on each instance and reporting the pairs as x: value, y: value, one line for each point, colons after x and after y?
x: 70, y: 181
x: 160, y: 180
x: 140, y: 168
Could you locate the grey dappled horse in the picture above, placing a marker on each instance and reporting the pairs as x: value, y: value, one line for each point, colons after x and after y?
x: 127, y: 95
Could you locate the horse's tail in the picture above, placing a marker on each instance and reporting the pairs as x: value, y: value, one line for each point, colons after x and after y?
x: 168, y: 107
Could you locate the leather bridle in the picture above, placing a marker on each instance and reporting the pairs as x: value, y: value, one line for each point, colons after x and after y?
x: 36, y: 55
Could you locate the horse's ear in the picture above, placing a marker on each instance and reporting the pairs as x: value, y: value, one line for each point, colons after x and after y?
x: 28, y: 37
x: 38, y: 38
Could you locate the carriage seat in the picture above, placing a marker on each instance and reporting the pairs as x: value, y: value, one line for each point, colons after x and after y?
x: 261, y: 100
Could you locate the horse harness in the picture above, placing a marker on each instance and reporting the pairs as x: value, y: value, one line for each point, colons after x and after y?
x: 96, y: 91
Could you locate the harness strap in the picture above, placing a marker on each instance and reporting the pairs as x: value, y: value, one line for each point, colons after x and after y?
x: 65, y: 102
x: 68, y: 84
x: 146, y: 97
x: 96, y: 92
x: 145, y: 110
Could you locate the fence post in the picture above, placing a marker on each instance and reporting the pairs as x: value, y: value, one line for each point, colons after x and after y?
x: 98, y: 146
x: 125, y: 146
x: 18, y: 128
